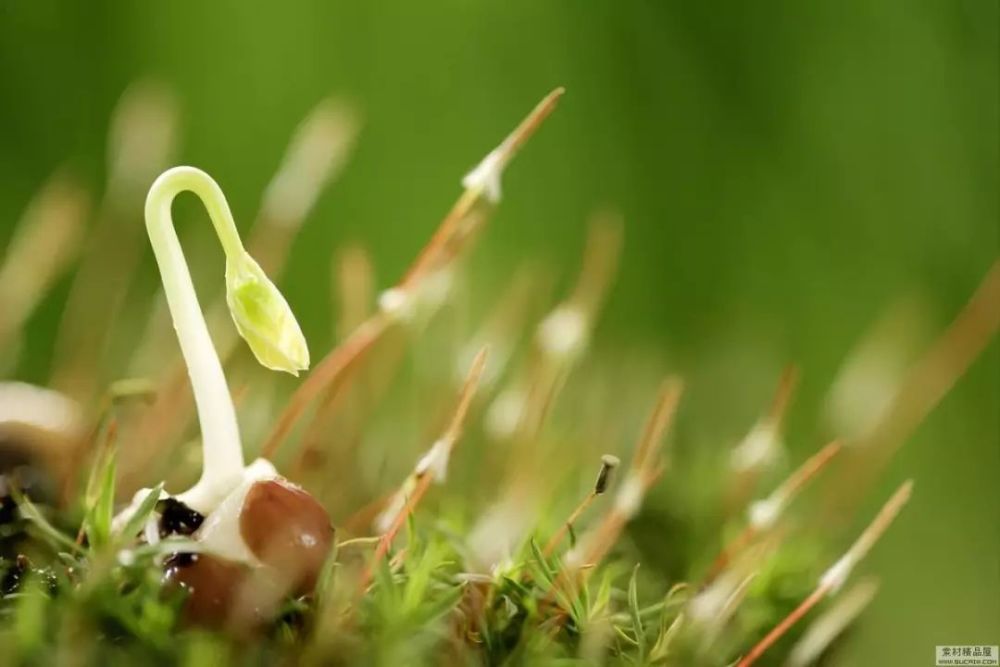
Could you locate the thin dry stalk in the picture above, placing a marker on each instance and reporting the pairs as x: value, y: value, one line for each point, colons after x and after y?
x: 835, y: 577
x: 825, y: 629
x: 423, y: 482
x: 947, y: 359
x: 647, y: 465
x: 361, y: 519
x: 557, y: 537
x: 779, y: 630
x: 353, y: 284
x: 610, y: 529
x: 599, y: 542
x: 44, y: 244
x: 775, y: 504
x: 504, y: 325
x: 930, y: 379
x: 436, y: 252
x: 440, y: 250
x: 783, y: 395
x: 652, y: 436
x: 754, y: 450
x: 561, y: 337
x: 329, y: 371
x: 608, y: 464
x: 806, y: 472
x: 430, y: 468
x: 141, y: 142
x: 600, y: 262
x: 761, y: 445
x: 320, y: 147
x: 711, y: 607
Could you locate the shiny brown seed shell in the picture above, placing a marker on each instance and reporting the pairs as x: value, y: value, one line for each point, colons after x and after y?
x: 212, y: 585
x: 288, y: 530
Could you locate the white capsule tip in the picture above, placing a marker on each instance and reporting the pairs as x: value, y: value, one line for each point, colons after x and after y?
x: 485, y: 176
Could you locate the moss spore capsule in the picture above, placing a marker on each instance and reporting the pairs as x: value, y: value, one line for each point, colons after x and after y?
x: 608, y: 464
x: 288, y: 530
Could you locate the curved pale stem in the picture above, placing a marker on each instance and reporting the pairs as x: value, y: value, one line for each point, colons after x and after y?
x: 222, y: 452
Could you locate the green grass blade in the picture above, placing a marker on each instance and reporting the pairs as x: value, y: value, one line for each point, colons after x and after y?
x: 548, y: 575
x: 138, y: 520
x: 30, y: 512
x: 100, y: 500
x: 633, y: 604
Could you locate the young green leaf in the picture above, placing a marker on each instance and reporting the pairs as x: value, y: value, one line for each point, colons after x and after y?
x: 667, y: 633
x: 548, y: 575
x: 327, y: 579
x: 31, y: 513
x: 263, y: 317
x: 624, y: 635
x: 29, y: 618
x: 138, y: 520
x: 603, y: 596
x: 101, y: 502
x: 444, y: 604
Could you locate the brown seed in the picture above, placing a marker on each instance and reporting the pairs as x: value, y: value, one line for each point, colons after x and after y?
x: 288, y: 530
x: 212, y: 585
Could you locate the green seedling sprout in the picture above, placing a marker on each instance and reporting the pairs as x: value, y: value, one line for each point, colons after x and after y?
x: 259, y: 311
x: 318, y: 150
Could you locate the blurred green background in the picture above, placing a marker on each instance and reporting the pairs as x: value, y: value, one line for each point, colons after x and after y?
x: 786, y: 171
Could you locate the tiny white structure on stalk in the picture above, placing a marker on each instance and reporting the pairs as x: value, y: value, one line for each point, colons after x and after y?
x: 630, y: 496
x: 761, y: 447
x: 485, y: 176
x: 563, y: 333
x: 417, y: 302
